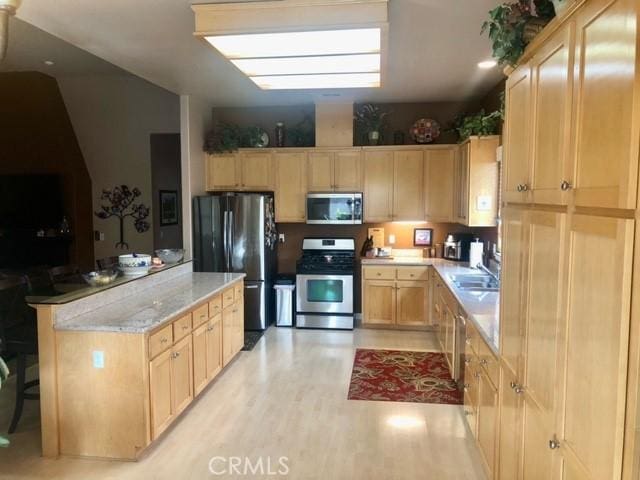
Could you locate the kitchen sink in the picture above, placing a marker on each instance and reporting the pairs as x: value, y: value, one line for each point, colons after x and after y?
x: 480, y: 282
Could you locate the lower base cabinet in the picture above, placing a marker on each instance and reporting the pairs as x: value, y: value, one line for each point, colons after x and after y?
x: 487, y: 420
x: 395, y: 296
x: 160, y: 383
x: 510, y: 429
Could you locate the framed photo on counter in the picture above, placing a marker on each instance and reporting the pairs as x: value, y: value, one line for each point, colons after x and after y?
x: 422, y: 237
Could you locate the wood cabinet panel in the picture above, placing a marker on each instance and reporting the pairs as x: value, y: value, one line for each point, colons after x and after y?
x: 379, y: 302
x: 461, y: 181
x: 291, y: 187
x: 182, y: 327
x: 412, y: 303
x: 228, y: 297
x: 182, y: 375
x: 228, y: 319
x: 408, y: 187
x: 510, y: 428
x: 160, y: 341
x: 200, y: 315
x: 606, y: 160
x: 439, y: 186
x: 222, y: 172
x: 471, y: 388
x: 517, y: 128
x: 379, y: 273
x: 214, y: 347
x: 413, y: 273
x: 378, y: 186
x: 347, y: 171
x: 513, y: 288
x: 597, y: 342
x: 238, y: 326
x: 487, y: 421
x: 545, y: 317
x: 200, y: 378
x: 256, y: 171
x: 161, y: 402
x: 538, y: 459
x: 215, y: 306
x: 320, y: 171
x: 552, y: 69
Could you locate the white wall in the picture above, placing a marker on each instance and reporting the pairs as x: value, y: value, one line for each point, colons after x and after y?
x: 113, y: 116
x: 195, y: 121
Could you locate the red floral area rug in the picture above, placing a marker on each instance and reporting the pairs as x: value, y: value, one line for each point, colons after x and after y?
x: 399, y: 376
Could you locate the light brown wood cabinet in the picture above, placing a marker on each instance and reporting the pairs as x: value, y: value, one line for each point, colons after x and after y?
x: 487, y: 420
x: 291, y: 187
x: 214, y: 347
x: 378, y: 186
x: 439, y: 184
x: 335, y: 171
x: 200, y: 379
x: 510, y: 426
x: 476, y: 182
x: 391, y: 298
x: 245, y: 170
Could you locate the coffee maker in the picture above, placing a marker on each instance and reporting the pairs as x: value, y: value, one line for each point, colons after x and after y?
x: 456, y: 246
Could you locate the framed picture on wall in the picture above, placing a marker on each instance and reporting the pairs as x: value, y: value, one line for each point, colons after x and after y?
x: 422, y: 237
x: 168, y: 207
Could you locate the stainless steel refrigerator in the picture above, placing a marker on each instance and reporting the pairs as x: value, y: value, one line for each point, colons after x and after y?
x: 236, y: 232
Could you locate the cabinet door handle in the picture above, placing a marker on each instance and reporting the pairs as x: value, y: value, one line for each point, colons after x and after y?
x: 554, y: 444
x: 175, y: 354
x: 565, y: 186
x: 163, y: 340
x: 513, y: 385
x: 519, y: 389
x: 186, y: 327
x: 483, y: 362
x: 467, y: 361
x: 525, y: 187
x: 466, y: 387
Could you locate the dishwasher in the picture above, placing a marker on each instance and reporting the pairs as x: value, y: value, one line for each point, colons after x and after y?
x: 459, y: 347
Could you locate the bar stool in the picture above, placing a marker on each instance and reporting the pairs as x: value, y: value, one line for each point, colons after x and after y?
x: 18, y: 337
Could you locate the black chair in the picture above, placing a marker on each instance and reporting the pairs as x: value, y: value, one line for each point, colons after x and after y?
x: 107, y: 262
x: 18, y: 337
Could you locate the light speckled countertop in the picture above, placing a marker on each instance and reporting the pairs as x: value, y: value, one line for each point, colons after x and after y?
x: 483, y: 308
x: 151, y: 308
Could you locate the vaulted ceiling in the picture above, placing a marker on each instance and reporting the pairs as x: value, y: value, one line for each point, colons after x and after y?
x: 434, y: 48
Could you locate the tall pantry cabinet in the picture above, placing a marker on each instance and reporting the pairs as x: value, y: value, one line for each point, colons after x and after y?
x: 570, y: 310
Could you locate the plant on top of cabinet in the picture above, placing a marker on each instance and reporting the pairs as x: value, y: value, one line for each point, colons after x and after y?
x: 372, y: 119
x: 479, y: 124
x: 512, y: 25
x: 303, y: 133
x: 229, y: 137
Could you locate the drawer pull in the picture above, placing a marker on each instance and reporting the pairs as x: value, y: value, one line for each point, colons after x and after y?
x: 163, y: 340
x: 518, y: 389
x: 483, y: 361
x: 554, y: 444
x: 378, y: 274
x: 186, y: 327
x: 175, y: 355
x: 467, y: 361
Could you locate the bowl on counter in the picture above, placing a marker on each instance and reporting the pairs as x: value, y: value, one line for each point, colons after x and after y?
x: 170, y: 255
x: 100, y: 278
x: 134, y: 263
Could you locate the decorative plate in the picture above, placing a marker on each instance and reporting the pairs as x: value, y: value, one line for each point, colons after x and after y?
x: 425, y: 130
x: 263, y: 141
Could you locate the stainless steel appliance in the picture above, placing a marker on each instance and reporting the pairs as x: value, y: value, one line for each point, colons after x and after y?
x: 324, y: 283
x: 456, y: 246
x: 459, y: 348
x: 235, y: 232
x: 334, y: 208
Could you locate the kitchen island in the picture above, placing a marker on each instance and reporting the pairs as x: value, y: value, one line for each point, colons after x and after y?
x: 119, y: 365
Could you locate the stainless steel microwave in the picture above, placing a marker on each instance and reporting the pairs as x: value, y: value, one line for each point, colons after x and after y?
x: 334, y: 208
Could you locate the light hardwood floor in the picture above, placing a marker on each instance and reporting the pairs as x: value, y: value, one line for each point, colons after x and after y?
x: 287, y: 397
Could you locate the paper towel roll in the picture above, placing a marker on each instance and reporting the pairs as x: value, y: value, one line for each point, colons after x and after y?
x: 475, y: 253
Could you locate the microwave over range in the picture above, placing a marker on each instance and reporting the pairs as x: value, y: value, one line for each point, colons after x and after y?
x: 334, y: 208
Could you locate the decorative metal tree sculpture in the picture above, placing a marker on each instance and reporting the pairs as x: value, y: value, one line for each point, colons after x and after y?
x: 121, y: 200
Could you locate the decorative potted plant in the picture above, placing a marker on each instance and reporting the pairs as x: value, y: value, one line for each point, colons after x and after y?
x: 512, y: 25
x: 479, y: 124
x: 4, y: 373
x: 372, y: 119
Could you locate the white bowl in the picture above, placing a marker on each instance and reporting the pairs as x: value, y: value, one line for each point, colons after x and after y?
x: 170, y: 255
x: 135, y: 271
x: 134, y: 260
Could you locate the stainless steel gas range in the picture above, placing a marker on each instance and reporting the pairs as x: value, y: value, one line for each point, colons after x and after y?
x: 324, y: 283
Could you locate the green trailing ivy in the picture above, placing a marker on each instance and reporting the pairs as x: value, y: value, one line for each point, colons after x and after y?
x: 479, y: 124
x: 229, y: 137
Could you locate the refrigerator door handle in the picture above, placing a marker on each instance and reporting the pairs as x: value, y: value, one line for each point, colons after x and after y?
x: 250, y: 286
x: 225, y: 238
x: 229, y: 263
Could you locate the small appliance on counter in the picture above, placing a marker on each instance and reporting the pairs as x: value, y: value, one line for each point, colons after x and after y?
x: 456, y: 246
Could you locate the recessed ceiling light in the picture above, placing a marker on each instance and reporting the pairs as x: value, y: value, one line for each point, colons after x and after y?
x: 364, y: 63
x: 301, y: 82
x: 49, y: 62
x: 487, y: 64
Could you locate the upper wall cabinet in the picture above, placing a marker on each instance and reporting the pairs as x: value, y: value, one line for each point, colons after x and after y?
x: 476, y: 182
x: 337, y: 171
x: 245, y: 170
x: 408, y: 187
x: 517, y: 128
x: 439, y: 184
x: 291, y: 186
x: 607, y: 119
x: 378, y: 186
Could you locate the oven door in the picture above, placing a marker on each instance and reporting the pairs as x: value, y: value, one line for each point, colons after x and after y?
x: 324, y: 294
x: 334, y: 208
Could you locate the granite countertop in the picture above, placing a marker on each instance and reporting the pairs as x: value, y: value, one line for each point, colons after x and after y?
x: 151, y: 308
x: 482, y: 308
